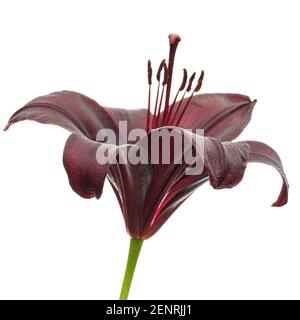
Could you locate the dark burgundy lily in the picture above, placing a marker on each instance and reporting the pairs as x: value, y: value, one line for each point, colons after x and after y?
x: 149, y: 193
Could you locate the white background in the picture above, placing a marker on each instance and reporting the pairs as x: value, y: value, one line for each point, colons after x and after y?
x: 225, y: 244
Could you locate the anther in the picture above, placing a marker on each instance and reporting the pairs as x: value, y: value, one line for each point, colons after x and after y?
x: 149, y: 73
x: 184, y: 80
x: 149, y: 94
x: 165, y: 69
x: 161, y: 66
x: 191, y: 82
x: 199, y: 83
x: 197, y: 88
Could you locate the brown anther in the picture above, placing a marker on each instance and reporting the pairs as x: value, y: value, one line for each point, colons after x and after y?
x: 184, y: 80
x: 165, y: 74
x: 161, y: 66
x: 191, y: 82
x: 199, y: 83
x: 149, y: 72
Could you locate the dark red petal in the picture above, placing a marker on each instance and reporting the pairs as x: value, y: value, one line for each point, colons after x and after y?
x: 86, y: 175
x: 70, y: 110
x: 176, y: 197
x: 163, y: 175
x: 224, y: 166
x: 131, y: 184
x: 224, y: 163
x: 222, y: 116
x: 129, y: 181
x: 136, y: 118
x: 260, y: 152
x: 77, y: 113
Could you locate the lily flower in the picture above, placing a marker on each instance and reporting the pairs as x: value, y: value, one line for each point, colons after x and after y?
x: 149, y: 193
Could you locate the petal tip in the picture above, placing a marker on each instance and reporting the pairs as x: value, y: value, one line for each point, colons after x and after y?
x: 98, y: 195
x: 279, y: 203
x: 7, y: 126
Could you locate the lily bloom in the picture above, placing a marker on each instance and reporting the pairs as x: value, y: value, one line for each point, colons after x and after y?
x: 148, y: 193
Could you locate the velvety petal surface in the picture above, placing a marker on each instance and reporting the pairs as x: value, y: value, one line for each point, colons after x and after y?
x: 175, y: 198
x: 224, y: 164
x: 86, y: 175
x: 70, y: 110
x: 260, y: 152
x: 222, y: 116
x: 254, y: 152
x: 136, y: 118
x: 129, y: 181
x: 78, y: 113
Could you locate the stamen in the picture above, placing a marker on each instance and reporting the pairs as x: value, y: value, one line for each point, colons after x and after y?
x: 149, y: 94
x: 191, y: 82
x: 182, y: 86
x: 158, y: 91
x: 174, y: 39
x: 184, y: 80
x: 161, y: 66
x: 197, y: 88
x: 199, y: 83
x: 165, y: 68
x: 183, y: 96
x: 149, y: 72
x: 170, y: 112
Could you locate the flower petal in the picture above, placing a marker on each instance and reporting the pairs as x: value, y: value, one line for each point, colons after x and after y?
x: 136, y: 118
x: 175, y: 199
x: 70, y: 110
x: 222, y: 116
x: 131, y: 183
x: 224, y: 164
x: 260, y: 152
x: 86, y: 175
x: 78, y: 113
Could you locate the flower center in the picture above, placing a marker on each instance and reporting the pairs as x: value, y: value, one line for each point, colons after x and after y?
x: 171, y: 114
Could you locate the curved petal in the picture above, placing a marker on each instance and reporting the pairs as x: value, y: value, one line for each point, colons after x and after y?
x: 131, y: 183
x: 252, y: 150
x: 223, y: 163
x: 260, y: 152
x: 222, y: 116
x: 86, y: 175
x: 70, y: 110
x: 176, y: 197
x: 77, y: 113
x: 136, y: 118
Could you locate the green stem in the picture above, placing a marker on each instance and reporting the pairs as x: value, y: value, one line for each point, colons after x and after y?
x: 133, y: 254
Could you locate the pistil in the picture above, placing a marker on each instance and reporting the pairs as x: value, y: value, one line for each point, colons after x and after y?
x: 172, y: 114
x: 174, y: 39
